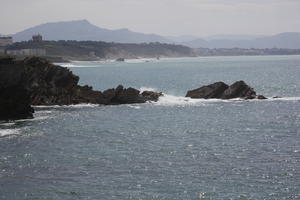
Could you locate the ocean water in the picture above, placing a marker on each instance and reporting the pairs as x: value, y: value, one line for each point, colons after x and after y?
x: 175, y: 149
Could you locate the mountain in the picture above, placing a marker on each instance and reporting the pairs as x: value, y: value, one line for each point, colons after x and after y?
x: 83, y: 30
x: 289, y: 40
x: 182, y: 38
x: 231, y: 37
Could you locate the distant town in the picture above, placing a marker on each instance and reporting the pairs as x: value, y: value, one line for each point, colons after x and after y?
x: 5, y: 42
x: 63, y: 51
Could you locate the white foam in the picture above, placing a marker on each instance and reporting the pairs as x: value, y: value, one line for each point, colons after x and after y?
x: 82, y: 105
x: 283, y: 99
x: 171, y: 100
x: 7, y: 124
x: 69, y: 65
x: 134, y: 106
x: 9, y: 132
x: 142, y: 89
x: 140, y: 60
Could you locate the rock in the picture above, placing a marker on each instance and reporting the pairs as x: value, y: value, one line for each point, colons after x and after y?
x: 214, y: 90
x: 220, y: 90
x: 261, y: 97
x: 127, y: 96
x: 86, y: 94
x: 120, y: 60
x: 35, y: 81
x: 239, y: 89
x: 121, y: 95
x: 15, y: 102
x: 151, y: 95
x: 7, y: 60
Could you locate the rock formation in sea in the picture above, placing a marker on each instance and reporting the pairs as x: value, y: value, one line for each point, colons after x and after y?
x: 220, y: 90
x: 14, y: 97
x: 35, y: 81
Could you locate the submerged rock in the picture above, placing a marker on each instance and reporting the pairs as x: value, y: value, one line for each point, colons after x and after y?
x: 220, y: 90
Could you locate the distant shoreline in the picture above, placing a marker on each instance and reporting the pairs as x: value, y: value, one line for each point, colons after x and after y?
x: 68, y: 51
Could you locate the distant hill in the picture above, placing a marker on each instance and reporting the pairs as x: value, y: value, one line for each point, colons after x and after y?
x: 231, y: 37
x: 182, y: 38
x: 82, y: 30
x: 283, y: 40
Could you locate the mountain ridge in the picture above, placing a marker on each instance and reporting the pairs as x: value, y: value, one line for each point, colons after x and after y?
x: 83, y: 30
x: 289, y: 40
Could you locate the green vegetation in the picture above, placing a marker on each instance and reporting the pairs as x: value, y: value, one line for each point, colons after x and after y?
x: 89, y: 50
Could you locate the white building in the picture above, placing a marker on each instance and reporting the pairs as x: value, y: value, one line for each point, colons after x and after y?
x: 5, y: 41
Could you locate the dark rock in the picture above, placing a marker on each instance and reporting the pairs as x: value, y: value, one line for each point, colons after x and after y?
x: 151, y: 95
x: 261, y: 97
x: 239, y: 89
x: 109, y: 94
x: 15, y: 103
x: 86, y: 94
x: 127, y: 96
x: 214, y: 90
x: 14, y: 97
x: 121, y: 95
x: 220, y: 90
x: 120, y: 60
x: 7, y: 60
x: 35, y: 81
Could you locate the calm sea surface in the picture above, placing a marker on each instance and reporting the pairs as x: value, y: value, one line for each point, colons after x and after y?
x: 175, y: 149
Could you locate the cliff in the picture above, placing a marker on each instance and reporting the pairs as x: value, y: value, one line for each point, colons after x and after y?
x: 35, y: 81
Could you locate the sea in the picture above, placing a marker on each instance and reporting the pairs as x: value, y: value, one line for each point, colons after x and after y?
x: 174, y: 149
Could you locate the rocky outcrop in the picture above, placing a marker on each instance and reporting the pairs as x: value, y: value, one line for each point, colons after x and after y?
x: 121, y: 95
x: 215, y: 90
x: 35, y: 81
x: 151, y: 95
x: 239, y: 89
x: 15, y: 103
x: 220, y: 90
x: 120, y: 59
x: 15, y: 100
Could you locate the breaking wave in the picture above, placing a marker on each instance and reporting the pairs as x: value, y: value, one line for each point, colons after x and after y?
x: 171, y: 100
x: 9, y: 132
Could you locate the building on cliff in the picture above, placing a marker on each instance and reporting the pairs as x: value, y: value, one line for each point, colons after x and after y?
x: 37, y: 38
x: 4, y: 42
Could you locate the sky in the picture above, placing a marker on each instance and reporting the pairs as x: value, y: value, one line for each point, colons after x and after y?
x: 164, y: 17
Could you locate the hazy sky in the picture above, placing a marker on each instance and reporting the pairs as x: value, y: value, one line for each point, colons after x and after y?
x: 165, y: 17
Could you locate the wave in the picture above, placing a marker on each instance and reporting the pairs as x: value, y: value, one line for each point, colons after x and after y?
x: 140, y: 60
x: 71, y: 65
x: 171, y: 100
x: 283, y: 99
x: 82, y: 105
x: 9, y: 132
x: 142, y: 89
